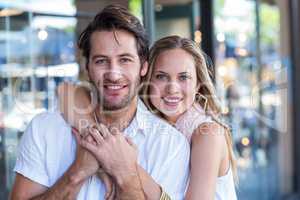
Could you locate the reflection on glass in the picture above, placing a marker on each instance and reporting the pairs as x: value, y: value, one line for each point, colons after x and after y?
x: 37, y: 52
x: 247, y: 70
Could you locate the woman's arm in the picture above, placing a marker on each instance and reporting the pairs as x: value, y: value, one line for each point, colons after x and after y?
x: 207, y: 153
x: 75, y: 105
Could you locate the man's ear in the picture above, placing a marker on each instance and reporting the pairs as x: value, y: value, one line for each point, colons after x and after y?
x: 144, y: 69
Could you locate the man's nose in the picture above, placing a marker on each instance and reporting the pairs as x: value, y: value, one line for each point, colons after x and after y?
x: 113, y: 75
x: 114, y: 72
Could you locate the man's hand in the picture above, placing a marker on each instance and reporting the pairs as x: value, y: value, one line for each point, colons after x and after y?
x: 111, y: 149
x: 85, y: 162
x: 119, y: 159
x: 109, y: 184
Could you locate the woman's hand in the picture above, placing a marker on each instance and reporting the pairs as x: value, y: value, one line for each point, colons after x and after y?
x: 103, y: 176
x: 117, y: 157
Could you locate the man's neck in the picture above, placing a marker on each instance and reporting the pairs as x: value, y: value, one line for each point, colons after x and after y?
x: 118, y: 118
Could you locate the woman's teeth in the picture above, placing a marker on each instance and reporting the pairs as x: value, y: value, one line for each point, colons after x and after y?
x: 172, y: 100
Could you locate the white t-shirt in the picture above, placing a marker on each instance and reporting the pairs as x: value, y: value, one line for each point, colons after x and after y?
x: 48, y: 148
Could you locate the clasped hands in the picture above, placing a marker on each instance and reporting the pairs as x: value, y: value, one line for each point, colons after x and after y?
x: 107, y: 153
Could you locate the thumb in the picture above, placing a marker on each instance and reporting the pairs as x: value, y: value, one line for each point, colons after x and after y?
x: 76, y: 134
x: 130, y: 142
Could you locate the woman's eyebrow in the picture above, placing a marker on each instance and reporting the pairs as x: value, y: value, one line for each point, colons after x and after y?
x: 183, y: 73
x: 162, y: 72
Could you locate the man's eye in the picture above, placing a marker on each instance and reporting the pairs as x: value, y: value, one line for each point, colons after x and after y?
x: 101, y: 61
x: 125, y: 60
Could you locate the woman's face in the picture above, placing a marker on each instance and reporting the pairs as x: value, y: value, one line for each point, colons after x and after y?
x: 173, y: 83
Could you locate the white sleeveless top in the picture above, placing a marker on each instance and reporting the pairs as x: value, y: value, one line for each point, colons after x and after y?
x: 186, y: 124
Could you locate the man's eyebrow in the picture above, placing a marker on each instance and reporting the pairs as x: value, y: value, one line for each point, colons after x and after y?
x: 98, y: 56
x: 126, y: 54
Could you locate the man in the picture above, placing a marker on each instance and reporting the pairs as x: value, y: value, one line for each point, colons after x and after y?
x: 51, y: 165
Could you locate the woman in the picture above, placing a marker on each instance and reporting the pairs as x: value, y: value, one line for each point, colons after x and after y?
x: 181, y: 92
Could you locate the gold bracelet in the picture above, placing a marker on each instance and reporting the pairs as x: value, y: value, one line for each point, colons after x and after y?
x: 164, y: 195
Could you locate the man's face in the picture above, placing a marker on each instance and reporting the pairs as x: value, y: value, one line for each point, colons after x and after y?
x: 115, y: 68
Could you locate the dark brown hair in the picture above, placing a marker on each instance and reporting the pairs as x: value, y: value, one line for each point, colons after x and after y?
x: 111, y: 18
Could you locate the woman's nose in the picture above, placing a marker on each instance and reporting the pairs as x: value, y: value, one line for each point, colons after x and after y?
x: 172, y: 87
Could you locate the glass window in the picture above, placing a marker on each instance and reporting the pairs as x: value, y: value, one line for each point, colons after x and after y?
x: 251, y: 78
x: 37, y: 52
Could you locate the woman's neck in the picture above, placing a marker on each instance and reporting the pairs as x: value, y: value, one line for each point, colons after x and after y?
x: 172, y: 119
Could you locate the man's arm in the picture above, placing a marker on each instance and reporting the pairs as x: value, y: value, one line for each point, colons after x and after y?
x: 31, y: 164
x: 25, y: 188
x: 65, y: 188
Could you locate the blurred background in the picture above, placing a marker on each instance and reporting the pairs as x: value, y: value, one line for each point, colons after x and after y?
x: 254, y: 46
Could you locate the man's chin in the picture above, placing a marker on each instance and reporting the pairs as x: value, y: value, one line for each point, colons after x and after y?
x: 113, y: 105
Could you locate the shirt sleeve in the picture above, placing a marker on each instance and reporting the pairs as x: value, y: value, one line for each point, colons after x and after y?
x: 174, y: 173
x: 30, y: 160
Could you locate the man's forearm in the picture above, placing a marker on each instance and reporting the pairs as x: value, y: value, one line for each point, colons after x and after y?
x: 131, y: 190
x: 130, y: 187
x: 151, y: 189
x: 67, y: 187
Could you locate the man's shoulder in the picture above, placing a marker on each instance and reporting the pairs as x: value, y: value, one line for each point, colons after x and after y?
x: 48, y: 123
x: 48, y: 118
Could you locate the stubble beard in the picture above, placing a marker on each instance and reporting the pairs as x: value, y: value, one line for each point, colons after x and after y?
x: 108, y: 106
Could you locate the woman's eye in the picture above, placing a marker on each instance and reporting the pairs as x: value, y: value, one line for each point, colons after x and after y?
x: 161, y: 77
x: 183, y: 77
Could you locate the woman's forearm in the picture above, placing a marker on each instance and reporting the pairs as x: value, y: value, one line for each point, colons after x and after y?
x: 73, y: 104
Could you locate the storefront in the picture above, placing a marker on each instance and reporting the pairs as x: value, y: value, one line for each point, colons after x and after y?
x: 37, y: 42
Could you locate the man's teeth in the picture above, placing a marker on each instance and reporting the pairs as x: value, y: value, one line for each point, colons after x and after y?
x: 114, y: 87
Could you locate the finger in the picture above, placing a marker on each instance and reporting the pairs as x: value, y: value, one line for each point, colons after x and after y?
x: 108, y: 184
x: 103, y: 130
x: 89, y: 146
x: 85, y: 133
x: 114, y: 131
x: 89, y: 138
x: 77, y: 135
x: 96, y: 136
x: 130, y: 142
x: 113, y: 193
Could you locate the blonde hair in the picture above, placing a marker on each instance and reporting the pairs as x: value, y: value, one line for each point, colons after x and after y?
x: 206, y: 89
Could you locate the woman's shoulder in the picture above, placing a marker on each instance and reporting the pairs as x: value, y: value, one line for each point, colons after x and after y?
x: 189, y: 121
x: 210, y: 132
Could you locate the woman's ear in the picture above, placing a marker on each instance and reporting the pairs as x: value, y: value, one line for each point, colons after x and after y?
x: 144, y: 69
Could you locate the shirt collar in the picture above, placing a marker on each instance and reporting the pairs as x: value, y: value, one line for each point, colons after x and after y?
x: 141, y: 120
